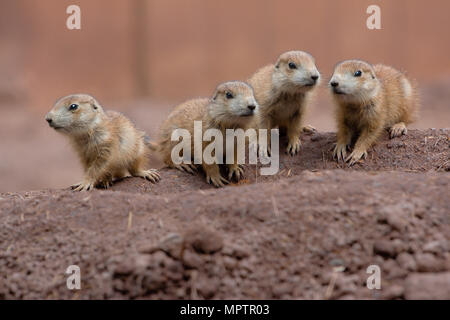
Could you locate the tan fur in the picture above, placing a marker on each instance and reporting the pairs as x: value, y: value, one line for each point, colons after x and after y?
x: 381, y: 98
x: 217, y: 112
x: 108, y: 144
x: 284, y: 93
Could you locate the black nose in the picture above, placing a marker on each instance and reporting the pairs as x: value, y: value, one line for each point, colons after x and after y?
x: 49, y: 120
x: 315, y: 78
x: 334, y: 84
x: 252, y: 107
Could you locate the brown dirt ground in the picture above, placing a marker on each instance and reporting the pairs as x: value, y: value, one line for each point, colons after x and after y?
x: 309, y: 232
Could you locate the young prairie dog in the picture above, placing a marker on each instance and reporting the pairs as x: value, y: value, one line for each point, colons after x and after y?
x: 369, y: 99
x: 232, y: 106
x: 108, y: 144
x: 283, y: 92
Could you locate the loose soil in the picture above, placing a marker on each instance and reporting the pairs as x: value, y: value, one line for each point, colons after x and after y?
x: 309, y: 232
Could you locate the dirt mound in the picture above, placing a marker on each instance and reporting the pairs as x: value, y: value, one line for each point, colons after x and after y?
x: 309, y: 232
x: 419, y: 151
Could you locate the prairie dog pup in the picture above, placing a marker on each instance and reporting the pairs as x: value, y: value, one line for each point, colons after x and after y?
x: 232, y: 106
x: 369, y: 99
x: 283, y: 91
x: 107, y: 143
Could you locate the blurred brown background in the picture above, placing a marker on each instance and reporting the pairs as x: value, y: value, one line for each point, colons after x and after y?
x: 144, y: 56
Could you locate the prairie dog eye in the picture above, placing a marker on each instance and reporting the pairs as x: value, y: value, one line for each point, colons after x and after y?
x: 229, y: 95
x: 292, y: 65
x: 358, y: 73
x: 73, y: 107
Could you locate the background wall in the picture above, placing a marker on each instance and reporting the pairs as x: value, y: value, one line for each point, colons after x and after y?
x: 143, y: 57
x: 172, y: 50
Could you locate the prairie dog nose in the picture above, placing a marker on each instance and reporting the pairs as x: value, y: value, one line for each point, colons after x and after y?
x: 48, y: 119
x: 315, y: 77
x: 334, y: 84
x: 252, y: 107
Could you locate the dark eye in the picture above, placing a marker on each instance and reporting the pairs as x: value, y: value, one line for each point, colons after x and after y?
x: 292, y: 65
x: 73, y: 107
x: 358, y: 73
x: 229, y: 95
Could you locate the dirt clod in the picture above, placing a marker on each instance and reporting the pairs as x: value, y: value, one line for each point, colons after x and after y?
x: 427, y: 262
x: 428, y: 286
x: 385, y: 248
x: 203, y: 240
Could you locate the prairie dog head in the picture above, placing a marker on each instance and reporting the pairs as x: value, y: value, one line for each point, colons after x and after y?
x: 74, y: 114
x: 354, y: 81
x: 233, y: 102
x: 295, y: 71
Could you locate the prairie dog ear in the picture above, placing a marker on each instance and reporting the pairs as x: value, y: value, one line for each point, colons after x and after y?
x: 216, y: 93
x: 94, y: 104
